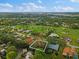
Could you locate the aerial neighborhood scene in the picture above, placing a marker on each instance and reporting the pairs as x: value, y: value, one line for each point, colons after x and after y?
x: 39, y: 29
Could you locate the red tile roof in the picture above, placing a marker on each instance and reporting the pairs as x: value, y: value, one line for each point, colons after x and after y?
x: 69, y: 51
x: 29, y: 40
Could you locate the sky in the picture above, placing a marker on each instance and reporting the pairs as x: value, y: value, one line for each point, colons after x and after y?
x: 39, y: 5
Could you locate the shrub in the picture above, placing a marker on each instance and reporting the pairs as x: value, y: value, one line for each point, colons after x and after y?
x: 11, y: 55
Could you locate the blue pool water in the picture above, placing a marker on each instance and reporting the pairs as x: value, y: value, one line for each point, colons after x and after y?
x: 75, y: 56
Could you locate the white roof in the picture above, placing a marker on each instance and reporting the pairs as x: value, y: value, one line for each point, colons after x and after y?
x: 2, y: 50
x: 54, y: 34
x: 28, y: 55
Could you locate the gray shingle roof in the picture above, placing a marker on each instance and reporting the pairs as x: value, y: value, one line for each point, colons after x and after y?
x: 54, y: 47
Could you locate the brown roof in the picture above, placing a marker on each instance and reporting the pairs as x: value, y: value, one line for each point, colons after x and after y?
x: 69, y: 51
x: 66, y: 50
x: 29, y: 40
x: 73, y: 50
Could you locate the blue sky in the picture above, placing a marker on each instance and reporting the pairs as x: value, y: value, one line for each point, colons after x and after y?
x: 39, y: 5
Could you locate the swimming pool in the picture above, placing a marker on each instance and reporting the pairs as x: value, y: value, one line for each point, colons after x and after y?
x: 75, y: 56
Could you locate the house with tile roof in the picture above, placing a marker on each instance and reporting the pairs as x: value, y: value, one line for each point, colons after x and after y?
x: 71, y: 52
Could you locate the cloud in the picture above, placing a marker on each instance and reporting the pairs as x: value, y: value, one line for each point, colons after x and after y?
x: 30, y: 7
x: 39, y: 1
x: 63, y: 8
x: 34, y: 7
x: 67, y: 8
x: 74, y: 1
x: 23, y: 7
x: 6, y: 5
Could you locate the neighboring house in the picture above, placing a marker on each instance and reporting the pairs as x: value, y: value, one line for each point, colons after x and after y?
x: 29, y: 40
x: 53, y: 35
x: 28, y: 31
x: 52, y: 47
x: 24, y: 52
x: 53, y: 38
x: 67, y: 39
x: 3, y: 53
x: 69, y: 51
x: 29, y: 55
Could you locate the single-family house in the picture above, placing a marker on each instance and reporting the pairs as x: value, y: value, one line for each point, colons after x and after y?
x: 53, y: 35
x: 53, y: 38
x: 69, y: 51
x: 52, y: 47
x: 29, y: 40
x: 67, y: 39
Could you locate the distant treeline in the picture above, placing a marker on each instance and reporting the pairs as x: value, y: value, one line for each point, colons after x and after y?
x: 47, y: 19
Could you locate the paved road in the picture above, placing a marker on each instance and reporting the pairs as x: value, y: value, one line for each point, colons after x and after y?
x: 72, y: 45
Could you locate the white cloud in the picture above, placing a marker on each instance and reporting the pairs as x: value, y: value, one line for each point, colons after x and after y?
x: 39, y: 1
x: 67, y: 8
x: 63, y: 8
x: 24, y: 7
x: 33, y: 7
x: 6, y: 5
x: 30, y: 7
x: 74, y: 0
